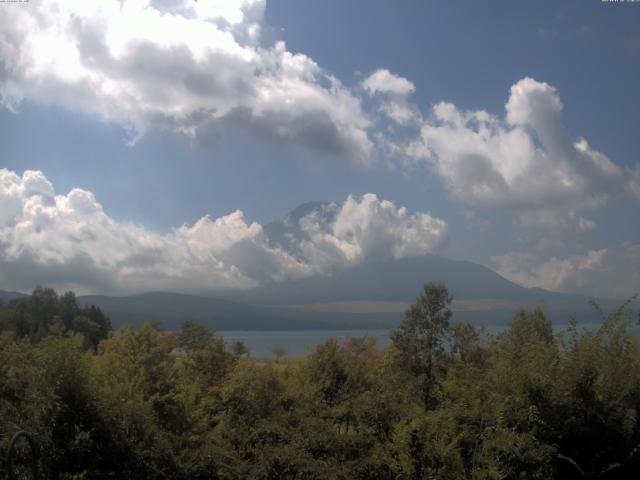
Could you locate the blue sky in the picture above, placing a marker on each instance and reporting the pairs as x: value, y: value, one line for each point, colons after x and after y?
x: 208, y: 113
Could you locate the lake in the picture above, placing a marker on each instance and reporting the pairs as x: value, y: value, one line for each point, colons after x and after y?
x: 297, y: 342
x: 300, y: 342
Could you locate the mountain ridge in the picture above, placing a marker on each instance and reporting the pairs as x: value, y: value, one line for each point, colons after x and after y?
x: 370, y: 294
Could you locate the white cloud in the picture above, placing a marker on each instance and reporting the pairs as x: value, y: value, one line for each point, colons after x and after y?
x: 367, y: 228
x: 68, y: 241
x: 176, y: 64
x: 392, y: 92
x: 634, y: 184
x: 526, y: 162
x: 477, y: 222
x: 607, y: 272
x: 586, y: 224
x: 383, y: 81
x: 195, y: 67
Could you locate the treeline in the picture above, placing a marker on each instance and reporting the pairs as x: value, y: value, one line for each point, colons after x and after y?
x: 45, y: 313
x: 444, y: 401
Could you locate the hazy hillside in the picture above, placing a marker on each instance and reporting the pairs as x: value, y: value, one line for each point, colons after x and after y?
x: 480, y: 294
x: 8, y: 296
x: 382, y: 279
x: 173, y: 309
x: 393, y: 280
x: 371, y: 294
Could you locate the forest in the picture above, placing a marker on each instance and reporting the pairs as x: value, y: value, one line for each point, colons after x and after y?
x: 446, y: 400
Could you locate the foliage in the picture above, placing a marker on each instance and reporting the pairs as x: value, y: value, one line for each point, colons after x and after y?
x: 420, y: 340
x: 442, y: 401
x: 45, y: 313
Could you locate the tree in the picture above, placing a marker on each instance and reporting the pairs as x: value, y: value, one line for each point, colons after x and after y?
x: 44, y: 313
x: 466, y: 343
x: 422, y: 336
x: 32, y: 316
x: 94, y: 324
x: 194, y: 336
x: 279, y: 352
x: 239, y: 349
x: 207, y: 360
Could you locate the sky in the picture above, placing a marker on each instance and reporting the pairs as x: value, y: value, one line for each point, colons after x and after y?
x: 145, y: 144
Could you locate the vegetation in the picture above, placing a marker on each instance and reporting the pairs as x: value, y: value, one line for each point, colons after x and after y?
x: 443, y: 401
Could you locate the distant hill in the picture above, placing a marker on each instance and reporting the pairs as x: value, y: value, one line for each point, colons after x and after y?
x: 389, y: 279
x: 223, y: 315
x: 173, y: 309
x: 394, y: 280
x: 373, y: 294
x: 480, y: 294
x: 385, y: 279
x: 338, y: 309
x: 8, y: 296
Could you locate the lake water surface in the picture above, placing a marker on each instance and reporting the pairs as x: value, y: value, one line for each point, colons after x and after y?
x: 300, y: 342
x: 297, y: 342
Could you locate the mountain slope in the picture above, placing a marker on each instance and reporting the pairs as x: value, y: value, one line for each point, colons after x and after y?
x: 376, y: 278
x: 391, y: 280
x: 370, y: 294
x: 172, y: 309
x: 6, y: 296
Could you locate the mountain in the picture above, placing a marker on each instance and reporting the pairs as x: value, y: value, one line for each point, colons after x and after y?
x: 172, y: 309
x: 375, y: 285
x: 383, y: 279
x: 372, y: 294
x: 393, y: 280
x: 6, y: 297
x: 350, y: 300
x: 389, y: 285
x: 282, y: 232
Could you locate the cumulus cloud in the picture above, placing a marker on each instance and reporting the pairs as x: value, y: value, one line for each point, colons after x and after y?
x: 70, y: 242
x: 392, y: 91
x: 197, y: 67
x: 367, y: 227
x: 634, y: 184
x: 586, y: 224
x: 612, y: 272
x: 180, y: 65
x: 526, y: 162
x: 383, y: 81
